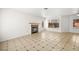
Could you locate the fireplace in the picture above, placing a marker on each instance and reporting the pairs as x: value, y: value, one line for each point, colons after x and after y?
x: 34, y: 28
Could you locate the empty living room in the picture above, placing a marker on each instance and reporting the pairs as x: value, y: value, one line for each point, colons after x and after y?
x: 39, y: 29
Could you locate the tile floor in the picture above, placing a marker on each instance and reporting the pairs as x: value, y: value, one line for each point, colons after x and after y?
x: 44, y: 41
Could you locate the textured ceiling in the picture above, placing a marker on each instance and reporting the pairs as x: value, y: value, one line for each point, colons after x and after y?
x: 49, y: 12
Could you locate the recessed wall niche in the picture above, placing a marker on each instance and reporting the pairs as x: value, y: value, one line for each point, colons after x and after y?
x: 76, y: 23
x: 53, y: 23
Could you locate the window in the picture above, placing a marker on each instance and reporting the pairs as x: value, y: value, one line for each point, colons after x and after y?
x: 53, y: 24
x: 76, y: 23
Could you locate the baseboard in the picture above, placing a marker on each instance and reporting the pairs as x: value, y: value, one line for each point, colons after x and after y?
x: 13, y: 38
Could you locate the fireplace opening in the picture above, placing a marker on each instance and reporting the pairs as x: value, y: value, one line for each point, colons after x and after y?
x: 34, y: 29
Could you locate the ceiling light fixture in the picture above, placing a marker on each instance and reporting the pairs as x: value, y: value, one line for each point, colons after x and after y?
x: 45, y: 8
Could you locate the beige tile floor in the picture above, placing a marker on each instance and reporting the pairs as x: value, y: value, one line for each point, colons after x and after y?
x: 44, y: 41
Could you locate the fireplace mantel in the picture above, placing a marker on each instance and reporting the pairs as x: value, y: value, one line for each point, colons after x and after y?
x: 34, y: 23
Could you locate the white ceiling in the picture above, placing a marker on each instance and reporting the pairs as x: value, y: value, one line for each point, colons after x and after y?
x: 30, y: 11
x: 50, y: 11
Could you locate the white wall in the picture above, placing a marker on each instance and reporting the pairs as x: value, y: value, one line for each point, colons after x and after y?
x: 52, y: 29
x: 75, y: 30
x: 0, y: 23
x: 15, y: 24
x: 65, y: 22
